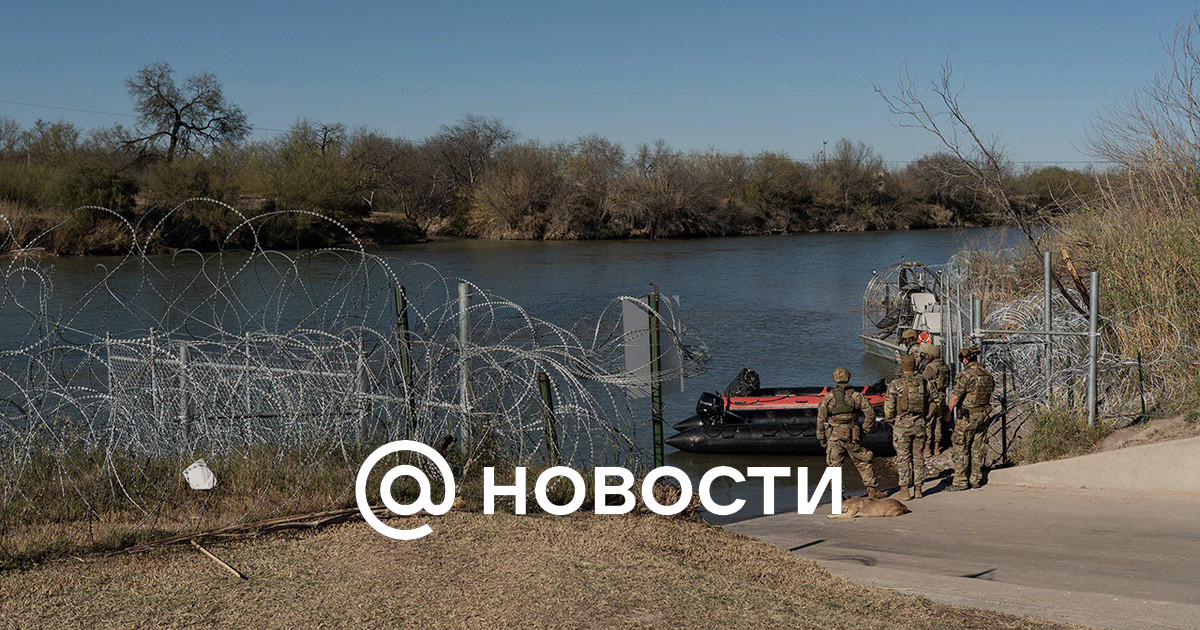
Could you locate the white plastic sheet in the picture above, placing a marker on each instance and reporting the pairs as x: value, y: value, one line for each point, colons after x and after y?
x: 199, y: 476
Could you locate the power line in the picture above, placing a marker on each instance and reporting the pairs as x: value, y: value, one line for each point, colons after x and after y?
x: 812, y: 160
x: 797, y: 95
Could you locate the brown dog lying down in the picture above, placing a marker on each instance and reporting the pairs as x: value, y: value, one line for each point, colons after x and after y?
x: 862, y: 506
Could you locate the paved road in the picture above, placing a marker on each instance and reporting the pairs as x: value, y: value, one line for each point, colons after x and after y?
x: 1097, y: 557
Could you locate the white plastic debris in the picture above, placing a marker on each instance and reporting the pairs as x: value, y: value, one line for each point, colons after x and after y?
x: 199, y: 476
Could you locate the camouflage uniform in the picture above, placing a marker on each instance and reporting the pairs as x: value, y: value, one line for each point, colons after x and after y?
x: 906, y: 407
x: 938, y: 375
x: 839, y: 431
x: 973, y: 389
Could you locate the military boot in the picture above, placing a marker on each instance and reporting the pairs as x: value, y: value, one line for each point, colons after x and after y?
x: 903, y: 491
x: 872, y: 493
x: 917, y: 494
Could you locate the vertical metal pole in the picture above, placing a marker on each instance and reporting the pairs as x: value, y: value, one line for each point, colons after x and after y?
x: 1141, y: 387
x: 360, y: 385
x: 404, y: 351
x: 656, y: 418
x: 160, y: 420
x: 552, y: 448
x: 1048, y: 321
x: 464, y: 374
x: 976, y: 322
x: 947, y: 325
x: 958, y: 328
x: 1004, y: 415
x: 1093, y: 320
x: 184, y: 418
x: 112, y: 411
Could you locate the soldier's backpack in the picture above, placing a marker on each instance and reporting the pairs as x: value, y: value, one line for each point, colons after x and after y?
x: 981, y: 394
x: 913, y: 395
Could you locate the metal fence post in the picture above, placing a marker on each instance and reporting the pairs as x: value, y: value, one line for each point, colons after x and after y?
x: 404, y: 349
x: 1093, y: 320
x: 360, y: 385
x: 1048, y: 319
x: 1004, y: 415
x: 464, y: 367
x: 184, y: 416
x: 656, y: 418
x: 1141, y: 388
x: 551, y: 430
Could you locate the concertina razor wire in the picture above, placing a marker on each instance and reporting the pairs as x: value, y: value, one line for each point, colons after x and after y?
x: 282, y: 370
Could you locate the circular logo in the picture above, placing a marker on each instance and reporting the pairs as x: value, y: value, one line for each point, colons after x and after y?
x: 424, y: 499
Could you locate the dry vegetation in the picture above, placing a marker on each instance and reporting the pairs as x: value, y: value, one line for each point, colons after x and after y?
x: 476, y: 571
x: 90, y: 501
x: 473, y: 178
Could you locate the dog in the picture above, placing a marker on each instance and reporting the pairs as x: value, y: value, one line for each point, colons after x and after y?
x: 862, y: 506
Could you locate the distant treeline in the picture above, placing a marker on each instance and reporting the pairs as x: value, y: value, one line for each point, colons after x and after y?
x: 477, y: 178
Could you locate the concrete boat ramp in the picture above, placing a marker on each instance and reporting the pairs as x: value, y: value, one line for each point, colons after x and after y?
x: 1120, y: 552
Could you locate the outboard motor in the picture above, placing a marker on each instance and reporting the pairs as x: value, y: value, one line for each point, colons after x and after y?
x: 710, y: 405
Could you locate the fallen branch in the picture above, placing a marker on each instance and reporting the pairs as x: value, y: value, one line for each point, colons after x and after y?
x: 250, y: 530
x: 219, y: 561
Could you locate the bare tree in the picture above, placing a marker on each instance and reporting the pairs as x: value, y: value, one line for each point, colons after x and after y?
x: 46, y: 140
x: 10, y: 134
x: 1156, y: 132
x: 184, y: 118
x: 982, y: 158
x: 853, y: 169
x: 467, y: 148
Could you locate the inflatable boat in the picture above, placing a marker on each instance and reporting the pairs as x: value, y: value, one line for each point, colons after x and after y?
x: 748, y: 419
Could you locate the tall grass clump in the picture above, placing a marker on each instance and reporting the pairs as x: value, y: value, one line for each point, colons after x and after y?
x: 1055, y: 432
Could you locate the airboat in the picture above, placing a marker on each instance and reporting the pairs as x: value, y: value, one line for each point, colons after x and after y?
x: 901, y: 296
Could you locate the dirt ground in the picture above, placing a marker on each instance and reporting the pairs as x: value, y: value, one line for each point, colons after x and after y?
x: 476, y: 571
x: 1174, y: 428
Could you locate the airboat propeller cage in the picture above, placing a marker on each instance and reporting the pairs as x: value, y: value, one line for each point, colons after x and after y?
x: 899, y: 297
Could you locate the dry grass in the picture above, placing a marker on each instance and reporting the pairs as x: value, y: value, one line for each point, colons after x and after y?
x: 476, y: 571
x: 86, y: 501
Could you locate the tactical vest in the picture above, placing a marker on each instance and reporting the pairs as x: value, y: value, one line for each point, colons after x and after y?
x: 981, y: 394
x: 840, y: 407
x: 912, y: 395
x: 941, y: 378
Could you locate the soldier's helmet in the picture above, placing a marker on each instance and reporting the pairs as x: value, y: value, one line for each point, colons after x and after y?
x: 930, y: 350
x: 908, y: 333
x: 908, y: 363
x: 970, y: 352
x: 841, y: 375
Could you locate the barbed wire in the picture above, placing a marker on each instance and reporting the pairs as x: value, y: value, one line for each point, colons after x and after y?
x: 1124, y: 382
x: 281, y: 370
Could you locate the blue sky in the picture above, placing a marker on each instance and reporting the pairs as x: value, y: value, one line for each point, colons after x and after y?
x: 780, y: 76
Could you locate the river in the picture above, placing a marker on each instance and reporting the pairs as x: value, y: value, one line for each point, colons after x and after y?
x: 784, y: 306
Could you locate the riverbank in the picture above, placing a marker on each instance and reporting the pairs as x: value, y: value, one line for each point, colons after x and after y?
x: 206, y: 226
x: 476, y: 571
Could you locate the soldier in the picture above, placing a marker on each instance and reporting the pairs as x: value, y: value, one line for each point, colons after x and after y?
x: 910, y: 341
x: 906, y: 408
x: 839, y: 431
x: 938, y: 375
x: 973, y: 390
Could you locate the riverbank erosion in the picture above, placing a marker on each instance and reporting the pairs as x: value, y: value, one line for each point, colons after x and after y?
x: 1067, y: 540
x: 475, y: 570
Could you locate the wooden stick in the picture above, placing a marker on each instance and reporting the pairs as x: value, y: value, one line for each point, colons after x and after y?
x: 219, y: 561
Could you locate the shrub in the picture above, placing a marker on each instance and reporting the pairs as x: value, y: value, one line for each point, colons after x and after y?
x: 1055, y: 432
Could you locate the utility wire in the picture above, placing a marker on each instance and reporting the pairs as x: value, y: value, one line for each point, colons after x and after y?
x: 807, y: 160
